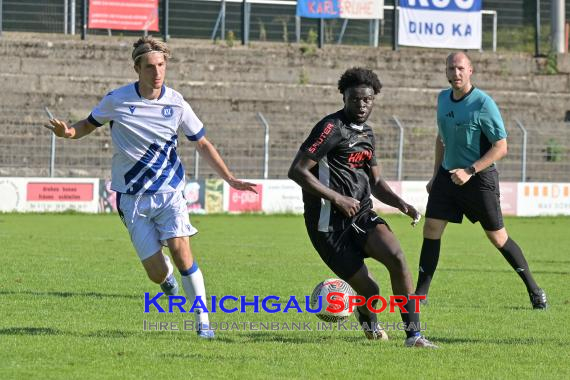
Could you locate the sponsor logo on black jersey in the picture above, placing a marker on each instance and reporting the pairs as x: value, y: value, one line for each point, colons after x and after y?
x: 323, y: 136
x: 358, y: 159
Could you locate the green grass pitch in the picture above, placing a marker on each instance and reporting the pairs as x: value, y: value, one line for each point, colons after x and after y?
x: 71, y: 304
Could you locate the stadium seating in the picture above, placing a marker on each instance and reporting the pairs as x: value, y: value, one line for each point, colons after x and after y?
x: 291, y: 88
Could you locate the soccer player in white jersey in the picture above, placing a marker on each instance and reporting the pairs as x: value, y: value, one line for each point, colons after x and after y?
x: 146, y: 172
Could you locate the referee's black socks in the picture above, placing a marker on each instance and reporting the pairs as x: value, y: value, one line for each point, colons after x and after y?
x: 513, y: 254
x: 428, y: 262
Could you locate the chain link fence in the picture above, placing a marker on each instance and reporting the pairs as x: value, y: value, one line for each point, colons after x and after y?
x: 25, y: 147
x: 25, y: 151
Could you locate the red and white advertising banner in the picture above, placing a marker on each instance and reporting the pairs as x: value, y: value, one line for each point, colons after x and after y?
x: 123, y: 14
x: 49, y: 194
x: 273, y: 196
x: 536, y: 198
x: 243, y: 201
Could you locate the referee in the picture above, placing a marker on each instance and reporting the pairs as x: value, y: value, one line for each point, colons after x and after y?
x: 471, y: 138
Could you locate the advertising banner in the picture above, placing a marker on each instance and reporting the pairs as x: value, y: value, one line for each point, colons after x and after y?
x: 282, y: 195
x: 49, y: 194
x: 440, y: 23
x: 508, y: 197
x: 204, y: 196
x: 245, y: 201
x: 349, y: 9
x: 123, y: 14
x: 273, y: 196
x: 543, y: 199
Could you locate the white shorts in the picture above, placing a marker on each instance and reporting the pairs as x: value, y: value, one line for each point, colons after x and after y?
x: 154, y: 218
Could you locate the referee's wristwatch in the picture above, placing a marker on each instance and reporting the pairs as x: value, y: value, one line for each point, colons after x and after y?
x: 471, y: 170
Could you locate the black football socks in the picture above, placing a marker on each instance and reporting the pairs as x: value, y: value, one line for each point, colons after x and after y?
x: 514, y: 255
x: 428, y: 262
x: 411, y: 319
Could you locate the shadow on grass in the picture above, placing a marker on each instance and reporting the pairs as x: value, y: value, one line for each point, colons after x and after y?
x: 506, y: 270
x: 273, y: 337
x: 551, y: 261
x: 69, y: 294
x: 506, y: 341
x: 251, y: 337
x: 441, y: 305
x: 29, y: 330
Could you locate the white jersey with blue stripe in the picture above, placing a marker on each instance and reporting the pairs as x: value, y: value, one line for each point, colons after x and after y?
x: 144, y: 134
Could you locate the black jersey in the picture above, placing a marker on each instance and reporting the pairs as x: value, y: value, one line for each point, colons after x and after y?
x: 344, y: 153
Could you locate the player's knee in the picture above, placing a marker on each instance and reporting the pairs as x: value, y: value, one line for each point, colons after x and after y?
x: 497, y: 241
x: 397, y: 261
x: 432, y: 231
x: 498, y: 238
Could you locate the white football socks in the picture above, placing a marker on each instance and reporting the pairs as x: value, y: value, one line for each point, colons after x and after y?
x: 193, y: 284
x: 168, y: 264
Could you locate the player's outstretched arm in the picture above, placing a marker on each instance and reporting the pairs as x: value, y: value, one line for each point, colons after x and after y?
x: 75, y: 131
x: 300, y: 172
x: 210, y: 153
x: 384, y: 194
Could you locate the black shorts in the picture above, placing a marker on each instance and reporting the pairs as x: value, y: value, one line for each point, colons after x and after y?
x: 343, y: 251
x: 478, y: 199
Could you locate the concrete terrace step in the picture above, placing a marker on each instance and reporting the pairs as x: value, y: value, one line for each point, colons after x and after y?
x: 223, y: 97
x: 252, y: 91
x: 228, y: 86
x: 118, y: 49
x: 268, y: 73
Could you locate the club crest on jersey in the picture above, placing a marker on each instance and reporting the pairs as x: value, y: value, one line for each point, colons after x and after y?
x: 167, y: 111
x: 132, y: 109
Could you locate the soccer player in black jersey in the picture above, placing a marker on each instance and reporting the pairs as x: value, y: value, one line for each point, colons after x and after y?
x: 337, y: 170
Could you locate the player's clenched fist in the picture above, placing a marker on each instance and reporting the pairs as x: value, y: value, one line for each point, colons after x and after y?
x: 347, y: 205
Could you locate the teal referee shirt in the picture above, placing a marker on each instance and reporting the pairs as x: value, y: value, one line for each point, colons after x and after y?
x: 468, y: 127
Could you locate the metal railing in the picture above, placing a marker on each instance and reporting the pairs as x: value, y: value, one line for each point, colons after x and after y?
x: 400, y: 147
x: 405, y: 152
x: 524, y: 147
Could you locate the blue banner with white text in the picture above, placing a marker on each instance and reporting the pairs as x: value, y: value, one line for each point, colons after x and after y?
x: 440, y: 23
x: 349, y: 9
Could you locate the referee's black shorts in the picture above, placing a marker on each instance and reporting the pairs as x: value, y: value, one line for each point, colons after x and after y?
x: 478, y: 199
x: 343, y: 251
